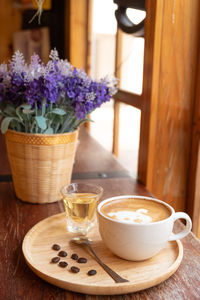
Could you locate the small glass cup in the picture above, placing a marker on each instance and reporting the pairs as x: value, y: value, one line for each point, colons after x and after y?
x: 80, y: 201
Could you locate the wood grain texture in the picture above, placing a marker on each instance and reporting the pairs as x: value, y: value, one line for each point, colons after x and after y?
x: 141, y: 275
x: 196, y: 208
x: 193, y: 206
x: 152, y: 38
x: 4, y: 165
x: 184, y: 284
x: 193, y: 203
x: 169, y: 80
x: 7, y: 28
x: 116, y: 107
x: 129, y: 98
x: 17, y: 281
x: 116, y: 124
x: 79, y: 33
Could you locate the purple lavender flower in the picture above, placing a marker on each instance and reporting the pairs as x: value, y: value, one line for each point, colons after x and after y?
x: 16, y: 91
x: 34, y: 93
x: 2, y: 90
x: 57, y: 84
x: 51, y: 91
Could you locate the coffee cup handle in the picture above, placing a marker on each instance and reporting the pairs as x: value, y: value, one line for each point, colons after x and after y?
x: 185, y: 231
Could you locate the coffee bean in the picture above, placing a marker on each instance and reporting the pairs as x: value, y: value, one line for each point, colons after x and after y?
x: 56, y: 247
x: 55, y: 259
x: 63, y: 264
x: 82, y: 260
x: 75, y: 269
x: 92, y: 272
x: 74, y: 256
x: 62, y: 253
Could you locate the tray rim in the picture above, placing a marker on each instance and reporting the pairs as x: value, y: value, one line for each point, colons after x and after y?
x: 79, y: 287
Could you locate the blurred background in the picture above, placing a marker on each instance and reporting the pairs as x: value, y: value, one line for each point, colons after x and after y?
x: 152, y: 125
x: 54, y: 31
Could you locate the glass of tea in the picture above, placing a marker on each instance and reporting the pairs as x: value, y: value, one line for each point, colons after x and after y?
x: 80, y: 202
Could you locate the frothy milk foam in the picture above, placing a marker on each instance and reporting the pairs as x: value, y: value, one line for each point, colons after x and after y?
x: 135, y: 210
x: 138, y: 216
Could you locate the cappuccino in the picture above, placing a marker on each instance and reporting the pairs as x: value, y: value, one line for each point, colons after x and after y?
x: 138, y: 227
x: 133, y: 210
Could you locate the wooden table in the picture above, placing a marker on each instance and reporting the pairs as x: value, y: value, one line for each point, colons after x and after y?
x: 93, y: 164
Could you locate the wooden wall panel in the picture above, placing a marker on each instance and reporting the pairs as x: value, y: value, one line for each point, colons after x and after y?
x: 194, y: 188
x: 80, y: 36
x: 79, y: 39
x: 116, y: 107
x: 193, y: 203
x: 152, y: 36
x: 10, y: 21
x: 169, y: 98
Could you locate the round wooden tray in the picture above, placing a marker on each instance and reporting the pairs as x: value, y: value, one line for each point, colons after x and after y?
x: 141, y: 275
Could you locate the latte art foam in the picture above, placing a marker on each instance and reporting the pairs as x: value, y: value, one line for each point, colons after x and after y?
x: 138, y: 216
x: 135, y: 210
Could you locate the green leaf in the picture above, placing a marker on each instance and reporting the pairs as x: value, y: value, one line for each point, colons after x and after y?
x: 69, y: 119
x: 27, y: 111
x: 56, y: 123
x: 19, y: 113
x: 41, y: 122
x: 33, y: 126
x: 1, y: 114
x: 77, y: 123
x: 58, y: 111
x: 15, y: 125
x: 5, y: 123
x: 25, y: 106
x: 10, y: 111
x: 49, y: 130
x: 43, y: 107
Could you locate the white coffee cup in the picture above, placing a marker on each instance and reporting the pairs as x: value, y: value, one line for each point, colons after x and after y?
x: 139, y: 241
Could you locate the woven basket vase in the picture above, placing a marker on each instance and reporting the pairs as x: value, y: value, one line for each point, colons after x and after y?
x: 40, y: 164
